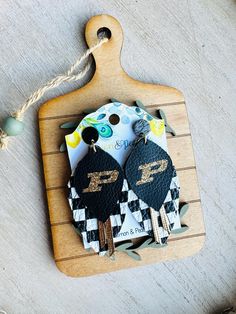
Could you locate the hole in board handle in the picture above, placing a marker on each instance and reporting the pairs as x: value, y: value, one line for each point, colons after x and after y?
x: 104, y: 32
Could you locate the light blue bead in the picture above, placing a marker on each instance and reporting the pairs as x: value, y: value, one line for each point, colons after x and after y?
x: 12, y: 126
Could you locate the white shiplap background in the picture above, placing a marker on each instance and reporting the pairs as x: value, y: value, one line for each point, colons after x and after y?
x: 188, y: 44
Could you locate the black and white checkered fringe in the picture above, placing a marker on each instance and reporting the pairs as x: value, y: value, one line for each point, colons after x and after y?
x: 87, y: 225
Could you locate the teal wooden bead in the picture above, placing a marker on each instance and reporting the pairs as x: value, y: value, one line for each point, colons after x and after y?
x: 12, y: 126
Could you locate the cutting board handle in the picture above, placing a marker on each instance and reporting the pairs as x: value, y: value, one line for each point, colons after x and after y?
x: 107, y: 57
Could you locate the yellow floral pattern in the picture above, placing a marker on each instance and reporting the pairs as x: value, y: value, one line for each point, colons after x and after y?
x: 157, y: 126
x: 73, y: 139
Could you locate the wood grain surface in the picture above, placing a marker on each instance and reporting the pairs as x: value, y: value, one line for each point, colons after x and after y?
x: 189, y: 45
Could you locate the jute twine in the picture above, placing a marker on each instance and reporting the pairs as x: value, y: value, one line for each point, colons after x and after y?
x: 69, y: 76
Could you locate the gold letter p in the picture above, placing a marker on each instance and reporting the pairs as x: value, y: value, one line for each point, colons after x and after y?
x: 148, y: 171
x: 97, y: 179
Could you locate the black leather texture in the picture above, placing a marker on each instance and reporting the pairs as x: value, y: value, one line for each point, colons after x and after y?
x: 99, y: 194
x: 153, y: 188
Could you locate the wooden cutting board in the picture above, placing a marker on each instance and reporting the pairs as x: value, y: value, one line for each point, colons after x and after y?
x: 110, y: 81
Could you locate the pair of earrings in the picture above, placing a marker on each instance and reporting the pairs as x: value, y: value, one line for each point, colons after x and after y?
x: 98, y: 180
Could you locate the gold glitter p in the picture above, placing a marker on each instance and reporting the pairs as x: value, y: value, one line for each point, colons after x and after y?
x: 148, y: 171
x: 97, y: 179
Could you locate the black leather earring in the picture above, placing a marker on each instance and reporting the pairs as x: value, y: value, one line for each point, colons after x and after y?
x: 149, y: 171
x: 98, y: 180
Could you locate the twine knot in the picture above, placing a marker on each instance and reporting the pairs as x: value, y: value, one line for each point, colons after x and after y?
x: 18, y: 116
x: 3, y: 139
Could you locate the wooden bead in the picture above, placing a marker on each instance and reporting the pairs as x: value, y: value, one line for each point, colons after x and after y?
x: 12, y: 126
